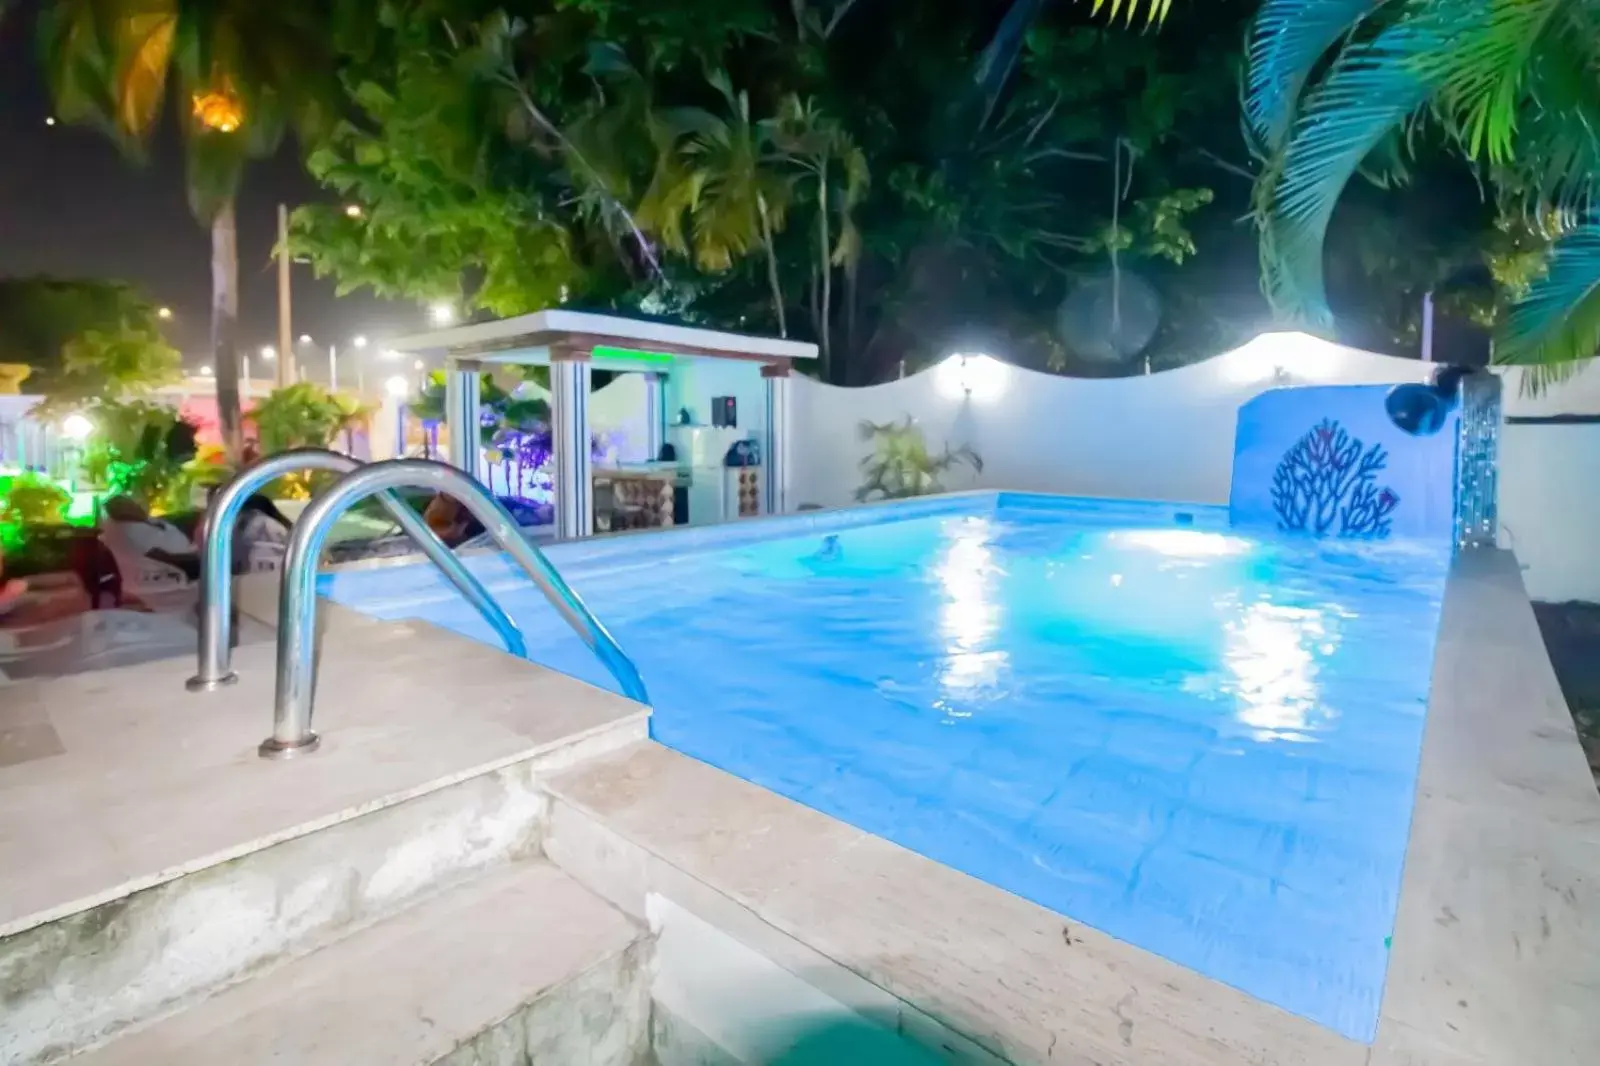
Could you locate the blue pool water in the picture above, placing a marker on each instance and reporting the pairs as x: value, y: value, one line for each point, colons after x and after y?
x: 1199, y: 742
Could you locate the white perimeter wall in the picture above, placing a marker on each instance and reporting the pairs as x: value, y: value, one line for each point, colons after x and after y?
x: 1170, y: 436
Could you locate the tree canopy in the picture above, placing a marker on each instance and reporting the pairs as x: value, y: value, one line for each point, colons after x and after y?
x: 894, y: 181
x: 239, y: 72
x: 1341, y: 87
x: 83, y: 340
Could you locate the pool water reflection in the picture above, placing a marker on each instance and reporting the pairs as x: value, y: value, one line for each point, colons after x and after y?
x: 1199, y: 742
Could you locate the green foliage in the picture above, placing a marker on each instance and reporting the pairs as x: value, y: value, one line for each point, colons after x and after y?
x: 1339, y: 87
x: 84, y: 340
x: 242, y: 73
x: 1559, y: 320
x: 140, y: 449
x: 33, y: 499
x: 891, y: 181
x: 499, y: 409
x: 900, y: 464
x: 304, y: 415
x: 825, y: 171
x: 113, y: 63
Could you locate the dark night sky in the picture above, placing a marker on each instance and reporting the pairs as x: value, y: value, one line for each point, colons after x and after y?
x: 72, y: 206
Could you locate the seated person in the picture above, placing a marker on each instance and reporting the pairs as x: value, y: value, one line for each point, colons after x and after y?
x: 450, y: 520
x: 154, y: 538
x: 259, y: 522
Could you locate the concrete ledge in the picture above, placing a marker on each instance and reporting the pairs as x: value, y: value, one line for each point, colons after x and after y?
x: 1497, y: 943
x: 117, y: 781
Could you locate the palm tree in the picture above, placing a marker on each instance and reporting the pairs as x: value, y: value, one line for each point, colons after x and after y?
x: 722, y: 172
x: 1511, y: 85
x: 243, y: 71
x: 837, y: 167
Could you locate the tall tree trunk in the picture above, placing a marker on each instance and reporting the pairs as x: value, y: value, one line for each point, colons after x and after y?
x: 852, y: 292
x: 825, y: 327
x: 225, y: 327
x: 812, y: 291
x: 772, y: 265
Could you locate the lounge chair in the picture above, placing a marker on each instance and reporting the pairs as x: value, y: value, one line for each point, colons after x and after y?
x: 163, y: 587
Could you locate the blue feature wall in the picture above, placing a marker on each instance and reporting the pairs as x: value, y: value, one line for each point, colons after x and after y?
x: 1328, y: 462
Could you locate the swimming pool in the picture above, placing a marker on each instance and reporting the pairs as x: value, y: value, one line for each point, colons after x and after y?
x: 1200, y: 742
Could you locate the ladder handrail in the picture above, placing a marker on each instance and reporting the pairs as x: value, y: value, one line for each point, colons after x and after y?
x: 214, y: 652
x: 297, y: 598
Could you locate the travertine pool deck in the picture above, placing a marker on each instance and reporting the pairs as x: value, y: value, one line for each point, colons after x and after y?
x: 111, y: 782
x: 116, y: 781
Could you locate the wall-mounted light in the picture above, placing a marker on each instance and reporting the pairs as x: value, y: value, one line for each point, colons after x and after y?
x: 1281, y: 359
x: 1422, y: 410
x: 972, y: 376
x: 77, y: 427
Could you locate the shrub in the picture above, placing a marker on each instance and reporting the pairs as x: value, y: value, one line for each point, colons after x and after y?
x: 33, y: 499
x: 900, y: 464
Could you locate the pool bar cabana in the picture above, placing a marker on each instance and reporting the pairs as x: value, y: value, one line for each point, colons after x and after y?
x: 685, y: 369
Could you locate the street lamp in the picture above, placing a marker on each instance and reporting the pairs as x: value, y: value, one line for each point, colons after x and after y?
x: 268, y: 352
x: 353, y: 210
x: 164, y: 313
x: 442, y: 314
x: 397, y: 387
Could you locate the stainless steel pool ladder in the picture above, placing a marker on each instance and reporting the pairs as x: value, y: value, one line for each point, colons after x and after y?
x: 297, y: 602
x: 214, y: 651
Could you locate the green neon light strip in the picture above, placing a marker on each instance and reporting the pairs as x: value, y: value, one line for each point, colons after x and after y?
x: 628, y: 355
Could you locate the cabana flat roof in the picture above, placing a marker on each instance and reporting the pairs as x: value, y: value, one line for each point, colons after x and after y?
x: 511, y: 339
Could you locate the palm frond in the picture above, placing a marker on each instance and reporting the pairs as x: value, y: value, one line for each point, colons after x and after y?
x: 1558, y: 128
x: 1155, y: 11
x: 1287, y: 40
x: 1373, y: 88
x: 142, y: 47
x: 1558, y: 320
x: 1481, y: 76
x: 1539, y: 378
x: 74, y: 49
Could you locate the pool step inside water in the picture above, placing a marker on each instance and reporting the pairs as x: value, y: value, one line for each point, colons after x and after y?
x: 520, y: 966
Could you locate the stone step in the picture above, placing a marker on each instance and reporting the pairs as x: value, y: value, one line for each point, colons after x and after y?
x: 148, y: 858
x: 520, y: 965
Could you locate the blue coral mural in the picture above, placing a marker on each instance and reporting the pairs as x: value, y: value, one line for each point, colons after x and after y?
x: 1326, y: 484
